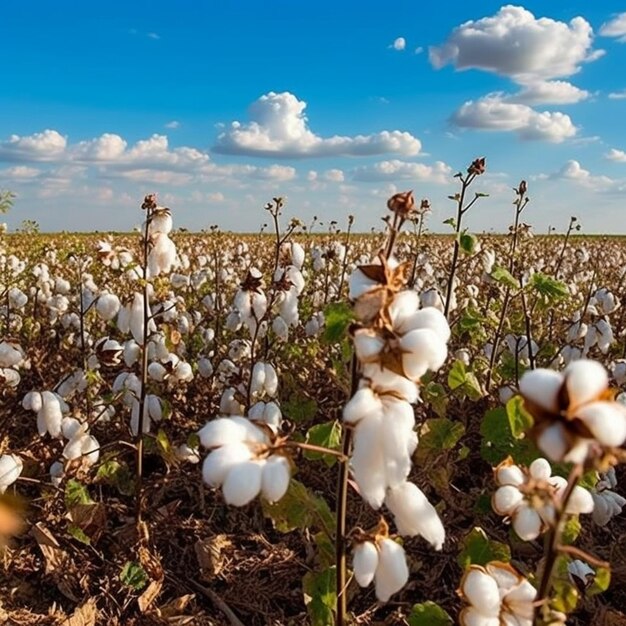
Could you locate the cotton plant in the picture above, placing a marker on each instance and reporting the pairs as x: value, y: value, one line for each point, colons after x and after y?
x: 11, y: 466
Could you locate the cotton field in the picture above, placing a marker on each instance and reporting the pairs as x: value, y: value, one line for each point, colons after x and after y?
x: 314, y: 426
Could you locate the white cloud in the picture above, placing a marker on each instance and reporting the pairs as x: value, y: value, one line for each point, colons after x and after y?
x: 574, y: 172
x: 394, y: 170
x: 159, y: 177
x: 278, y: 128
x: 419, y: 50
x: 615, y: 28
x: 153, y: 36
x: 48, y: 145
x: 399, y: 43
x: 618, y: 95
x: 334, y: 176
x: 616, y: 155
x: 20, y: 172
x: 107, y: 147
x: 492, y: 112
x: 516, y: 44
x: 549, y: 92
x: 174, y: 124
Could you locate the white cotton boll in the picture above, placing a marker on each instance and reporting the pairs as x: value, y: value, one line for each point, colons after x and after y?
x: 368, y: 461
x: 51, y: 413
x: 275, y: 478
x: 358, y: 282
x: 289, y: 308
x: 280, y: 328
x: 123, y: 319
x: 32, y: 401
x: 470, y: 616
x: 506, y: 499
x: 156, y: 371
x: 585, y: 380
x: 161, y: 222
x: 17, y: 298
x: 362, y: 403
x: 580, y: 502
x: 553, y: 442
x: 226, y: 430
x: 364, y: 562
x: 392, y: 572
x: 272, y: 414
x: 414, y: 514
x: 219, y: 462
x: 259, y: 304
x: 136, y: 321
x: 10, y: 377
x: 243, y: 483
x: 108, y: 306
x: 205, y: 367
x: 428, y: 317
x: 271, y: 380
x: 605, y: 335
x: 422, y: 350
x: 619, y: 371
x: 540, y: 469
x: 11, y: 467
x: 606, y: 421
x: 509, y: 475
x: 385, y: 381
x: 527, y: 523
x: 542, y: 387
x: 155, y: 407
x: 10, y: 354
x: 297, y: 255
x: 179, y: 280
x: 183, y: 372
x: 403, y: 306
x: 162, y: 255
x: 71, y: 427
x: 62, y: 286
x: 185, y: 453
x: 481, y: 590
x: 228, y: 404
x: 400, y: 422
x: 134, y: 418
x: 131, y: 352
x: 432, y: 298
x: 368, y: 344
x: 233, y: 321
x: 257, y: 378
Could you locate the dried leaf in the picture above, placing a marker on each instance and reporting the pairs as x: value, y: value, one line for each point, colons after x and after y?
x: 149, y: 595
x: 54, y: 556
x: 84, y: 615
x: 209, y: 555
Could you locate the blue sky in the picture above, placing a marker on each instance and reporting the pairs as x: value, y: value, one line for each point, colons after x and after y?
x: 335, y: 105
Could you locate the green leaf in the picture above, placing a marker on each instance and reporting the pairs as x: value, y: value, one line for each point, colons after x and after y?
x: 571, y: 530
x: 468, y: 242
x: 478, y: 549
x: 299, y: 408
x: 327, y: 435
x: 435, y: 394
x: 550, y: 289
x: 299, y: 508
x: 504, y: 277
x: 78, y: 533
x: 337, y: 316
x: 457, y: 375
x: 76, y: 493
x: 465, y: 381
x: 118, y: 475
x: 498, y: 441
x: 133, y: 575
x: 320, y: 596
x: 438, y: 434
x: 601, y: 582
x: 520, y: 420
x: 428, y: 614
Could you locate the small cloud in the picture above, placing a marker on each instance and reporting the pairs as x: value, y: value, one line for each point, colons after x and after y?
x: 399, y: 44
x: 618, y: 95
x: 153, y: 36
x: 419, y: 50
x: 615, y: 28
x: 174, y: 124
x: 619, y: 156
x: 380, y: 100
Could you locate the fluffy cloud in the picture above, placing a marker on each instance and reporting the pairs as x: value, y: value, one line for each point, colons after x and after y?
x: 20, y: 172
x: 615, y: 28
x: 515, y: 43
x: 549, y: 92
x: 618, y: 95
x: 616, y: 155
x: 334, y: 176
x: 394, y: 170
x: 574, y: 172
x: 46, y: 146
x: 493, y: 112
x: 278, y: 127
x: 399, y: 43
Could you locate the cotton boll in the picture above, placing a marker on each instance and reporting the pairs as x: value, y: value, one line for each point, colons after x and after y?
x: 219, y: 462
x: 364, y: 562
x: 481, y: 590
x: 11, y: 467
x: 275, y: 478
x: 131, y: 352
x: 585, y: 380
x: 184, y: 452
x: 280, y: 328
x: 257, y: 378
x: 368, y: 461
x: 183, y: 372
x: 32, y: 401
x: 392, y: 572
x: 162, y: 255
x: 226, y: 430
x: 243, y: 483
x: 155, y: 407
x: 136, y: 321
x: 362, y: 403
x: 205, y: 367
x: 414, y: 514
x: 400, y: 421
x: 228, y: 404
x: 51, y: 413
x: 108, y: 306
x: 271, y: 380
x: 542, y: 387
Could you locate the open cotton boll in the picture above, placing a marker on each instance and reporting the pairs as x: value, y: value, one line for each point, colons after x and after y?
x: 368, y: 460
x: 362, y: 403
x: 11, y: 467
x: 392, y: 572
x: 271, y: 380
x: 162, y: 255
x: 243, y: 482
x: 585, y: 380
x: 364, y: 562
x: 136, y: 320
x: 32, y: 401
x: 226, y: 430
x: 220, y: 461
x: 228, y: 404
x: 184, y: 452
x: 257, y: 378
x: 51, y: 413
x: 423, y: 350
x: 481, y: 590
x: 399, y: 423
x: 414, y: 514
x: 10, y: 354
x: 275, y: 478
x: 384, y: 381
x: 280, y: 328
x: 156, y: 371
x: 542, y: 387
x: 108, y: 306
x: 606, y: 421
x: 155, y: 407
